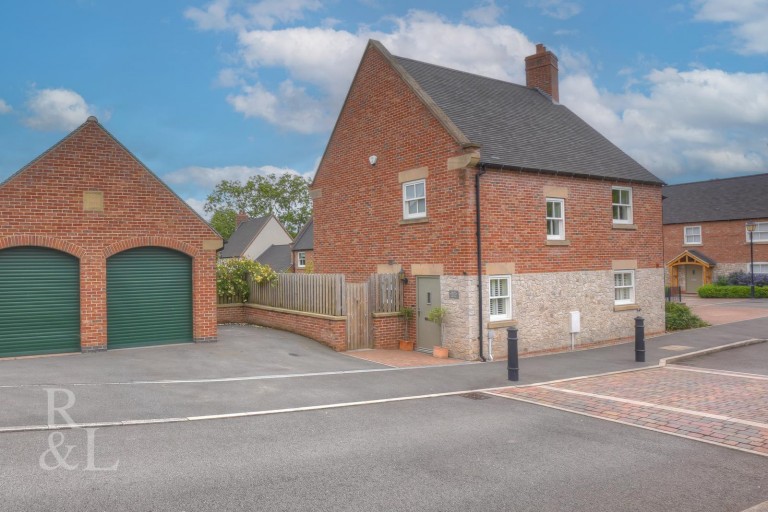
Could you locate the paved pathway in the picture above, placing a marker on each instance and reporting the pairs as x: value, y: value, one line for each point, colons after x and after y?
x: 725, y: 311
x: 718, y: 407
x: 401, y: 358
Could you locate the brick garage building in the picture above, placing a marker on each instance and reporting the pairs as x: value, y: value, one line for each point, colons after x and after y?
x: 704, y: 229
x: 568, y: 221
x: 96, y: 252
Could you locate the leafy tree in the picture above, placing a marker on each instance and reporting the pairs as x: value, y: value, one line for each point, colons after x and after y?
x: 223, y: 221
x: 285, y: 196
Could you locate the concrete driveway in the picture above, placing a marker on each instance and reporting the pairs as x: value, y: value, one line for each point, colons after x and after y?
x: 242, y: 351
x: 725, y: 311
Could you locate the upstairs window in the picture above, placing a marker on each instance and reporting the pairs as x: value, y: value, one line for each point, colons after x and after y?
x: 760, y: 234
x: 301, y: 260
x: 622, y: 205
x: 501, y: 306
x: 555, y: 219
x: 624, y: 287
x: 414, y: 199
x: 692, y: 235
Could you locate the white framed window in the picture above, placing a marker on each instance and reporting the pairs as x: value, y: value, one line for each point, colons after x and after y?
x: 760, y: 234
x: 624, y: 287
x: 301, y: 259
x: 622, y: 205
x: 692, y: 235
x: 555, y: 219
x: 414, y: 199
x: 759, y: 268
x: 500, y: 298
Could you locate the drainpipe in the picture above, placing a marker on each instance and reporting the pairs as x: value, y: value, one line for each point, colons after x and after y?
x: 479, y: 262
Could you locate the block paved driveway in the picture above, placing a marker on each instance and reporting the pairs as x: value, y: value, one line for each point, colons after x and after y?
x: 708, y: 398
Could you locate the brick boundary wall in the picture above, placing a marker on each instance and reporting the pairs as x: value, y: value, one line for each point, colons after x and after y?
x: 230, y: 314
x: 387, y: 330
x: 328, y: 330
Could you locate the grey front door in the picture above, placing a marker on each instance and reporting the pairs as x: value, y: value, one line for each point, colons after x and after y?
x: 427, y: 333
x: 693, y: 278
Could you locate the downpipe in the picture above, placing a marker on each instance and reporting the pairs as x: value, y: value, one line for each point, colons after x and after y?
x: 479, y: 262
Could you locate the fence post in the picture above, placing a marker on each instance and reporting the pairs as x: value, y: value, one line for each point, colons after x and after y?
x: 513, y: 370
x: 639, y: 340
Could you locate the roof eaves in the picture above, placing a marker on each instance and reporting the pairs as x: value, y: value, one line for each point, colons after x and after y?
x: 502, y: 167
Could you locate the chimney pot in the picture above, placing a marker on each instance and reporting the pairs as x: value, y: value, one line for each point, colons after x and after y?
x: 541, y: 72
x: 241, y: 217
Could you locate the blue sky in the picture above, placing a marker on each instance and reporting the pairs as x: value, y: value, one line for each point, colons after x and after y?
x: 203, y: 91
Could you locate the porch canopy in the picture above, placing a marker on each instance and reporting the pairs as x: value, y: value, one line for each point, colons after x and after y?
x: 690, y: 257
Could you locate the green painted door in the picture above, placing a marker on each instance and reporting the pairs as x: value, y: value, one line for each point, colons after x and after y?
x: 39, y: 302
x: 149, y: 298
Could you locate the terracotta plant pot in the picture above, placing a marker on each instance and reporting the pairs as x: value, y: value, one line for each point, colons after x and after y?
x: 440, y: 352
x: 406, y: 345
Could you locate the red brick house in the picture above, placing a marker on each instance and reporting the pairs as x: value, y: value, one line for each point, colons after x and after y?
x: 458, y: 179
x: 96, y: 252
x: 704, y: 229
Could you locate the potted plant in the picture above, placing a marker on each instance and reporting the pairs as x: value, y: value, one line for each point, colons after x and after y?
x: 407, y: 314
x: 437, y: 315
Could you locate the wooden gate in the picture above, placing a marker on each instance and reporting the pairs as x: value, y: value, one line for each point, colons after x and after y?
x: 359, y: 323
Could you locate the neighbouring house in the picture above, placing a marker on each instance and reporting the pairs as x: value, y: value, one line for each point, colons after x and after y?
x: 254, y: 236
x: 705, y: 233
x: 278, y: 257
x: 421, y: 155
x: 302, y: 248
x: 97, y: 252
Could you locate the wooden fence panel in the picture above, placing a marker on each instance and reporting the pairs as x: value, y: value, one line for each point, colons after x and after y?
x: 359, y: 323
x: 386, y: 293
x: 311, y: 293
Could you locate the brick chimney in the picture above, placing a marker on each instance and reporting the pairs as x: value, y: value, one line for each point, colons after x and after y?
x: 541, y: 71
x: 241, y: 217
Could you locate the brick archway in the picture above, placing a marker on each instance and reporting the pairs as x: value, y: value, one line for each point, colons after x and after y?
x: 154, y: 241
x: 42, y: 241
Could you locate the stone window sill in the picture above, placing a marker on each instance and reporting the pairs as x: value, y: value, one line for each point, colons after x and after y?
x: 558, y: 242
x: 627, y: 307
x: 420, y: 220
x: 626, y: 227
x: 502, y: 323
x: 692, y: 245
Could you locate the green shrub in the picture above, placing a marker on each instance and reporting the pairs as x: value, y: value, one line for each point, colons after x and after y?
x: 679, y: 317
x: 232, y: 277
x: 709, y: 291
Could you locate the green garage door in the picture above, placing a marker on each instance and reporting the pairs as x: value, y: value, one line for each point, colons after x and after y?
x: 149, y: 298
x: 39, y: 301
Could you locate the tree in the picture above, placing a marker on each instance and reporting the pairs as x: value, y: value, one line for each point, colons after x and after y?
x: 285, y: 196
x: 223, y: 221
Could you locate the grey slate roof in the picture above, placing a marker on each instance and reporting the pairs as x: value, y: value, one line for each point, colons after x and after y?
x: 702, y: 257
x: 740, y: 198
x: 237, y: 244
x: 278, y: 257
x: 305, y: 240
x: 521, y: 127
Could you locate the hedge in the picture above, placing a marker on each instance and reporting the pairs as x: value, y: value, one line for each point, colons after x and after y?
x: 709, y: 291
x: 679, y: 317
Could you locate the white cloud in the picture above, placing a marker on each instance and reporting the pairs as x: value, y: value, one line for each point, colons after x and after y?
x: 209, y: 177
x: 319, y: 62
x: 487, y: 13
x: 704, y: 120
x: 4, y: 107
x: 265, y: 14
x: 749, y: 20
x: 559, y: 9
x: 198, y: 205
x: 57, y: 110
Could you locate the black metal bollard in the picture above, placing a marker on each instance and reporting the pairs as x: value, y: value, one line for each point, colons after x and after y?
x: 639, y: 340
x: 513, y: 370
